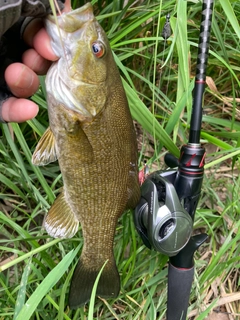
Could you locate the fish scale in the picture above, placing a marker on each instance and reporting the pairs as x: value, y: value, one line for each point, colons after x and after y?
x: 91, y: 134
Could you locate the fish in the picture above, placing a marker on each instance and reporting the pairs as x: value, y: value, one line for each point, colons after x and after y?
x: 92, y: 136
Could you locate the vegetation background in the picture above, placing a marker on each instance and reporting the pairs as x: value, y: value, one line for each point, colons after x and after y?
x: 158, y: 77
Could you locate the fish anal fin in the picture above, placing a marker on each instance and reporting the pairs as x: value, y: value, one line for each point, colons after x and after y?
x: 45, y: 151
x: 83, y: 280
x: 60, y: 221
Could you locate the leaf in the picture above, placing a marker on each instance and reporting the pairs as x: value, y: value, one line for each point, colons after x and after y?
x: 226, y: 5
x: 37, y: 171
x: 22, y: 291
x: 93, y: 295
x: 141, y: 113
x: 46, y: 285
x: 206, y: 312
x: 229, y: 155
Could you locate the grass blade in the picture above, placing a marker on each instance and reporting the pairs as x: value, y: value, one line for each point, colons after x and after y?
x: 226, y: 5
x: 93, y: 295
x: 46, y: 285
x: 141, y: 113
x: 22, y: 291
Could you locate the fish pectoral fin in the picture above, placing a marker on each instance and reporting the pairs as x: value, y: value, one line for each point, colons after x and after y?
x: 83, y: 280
x: 45, y: 151
x: 60, y: 221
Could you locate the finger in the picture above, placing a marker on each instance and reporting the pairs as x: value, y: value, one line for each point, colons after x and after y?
x: 67, y: 6
x: 42, y: 44
x: 18, y: 110
x: 35, y: 62
x: 36, y: 36
x: 22, y: 81
x: 31, y: 29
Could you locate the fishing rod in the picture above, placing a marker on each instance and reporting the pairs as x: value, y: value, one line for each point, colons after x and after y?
x: 165, y: 214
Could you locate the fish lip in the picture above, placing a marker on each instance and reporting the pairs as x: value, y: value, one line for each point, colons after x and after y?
x: 85, y: 7
x: 75, y: 16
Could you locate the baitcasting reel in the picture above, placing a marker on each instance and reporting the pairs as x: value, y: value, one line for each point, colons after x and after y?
x: 160, y: 218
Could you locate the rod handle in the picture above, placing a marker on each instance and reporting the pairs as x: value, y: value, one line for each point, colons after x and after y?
x: 179, y: 287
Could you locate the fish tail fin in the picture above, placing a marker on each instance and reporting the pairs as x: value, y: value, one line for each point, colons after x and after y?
x: 83, y: 280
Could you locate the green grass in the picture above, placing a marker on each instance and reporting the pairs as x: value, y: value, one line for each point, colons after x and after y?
x: 36, y: 270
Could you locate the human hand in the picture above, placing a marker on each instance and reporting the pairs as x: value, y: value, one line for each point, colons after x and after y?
x: 22, y: 79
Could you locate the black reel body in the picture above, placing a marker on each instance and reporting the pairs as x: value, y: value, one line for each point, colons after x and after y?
x: 160, y: 219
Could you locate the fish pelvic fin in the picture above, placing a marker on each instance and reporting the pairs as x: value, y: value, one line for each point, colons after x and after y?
x: 60, y: 221
x: 45, y: 151
x: 83, y: 280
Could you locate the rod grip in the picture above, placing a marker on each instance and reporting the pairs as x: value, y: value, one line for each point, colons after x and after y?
x: 179, y: 287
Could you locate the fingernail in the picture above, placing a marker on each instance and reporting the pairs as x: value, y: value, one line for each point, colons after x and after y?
x: 25, y: 79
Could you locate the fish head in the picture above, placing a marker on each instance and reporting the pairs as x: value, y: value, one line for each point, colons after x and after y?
x: 85, y: 57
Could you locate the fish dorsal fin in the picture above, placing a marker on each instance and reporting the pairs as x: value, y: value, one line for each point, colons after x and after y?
x: 45, y: 151
x: 60, y: 221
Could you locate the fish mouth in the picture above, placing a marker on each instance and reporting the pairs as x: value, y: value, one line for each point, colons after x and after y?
x: 62, y: 85
x: 73, y: 20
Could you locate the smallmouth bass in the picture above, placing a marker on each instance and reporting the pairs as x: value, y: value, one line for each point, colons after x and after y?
x: 91, y: 134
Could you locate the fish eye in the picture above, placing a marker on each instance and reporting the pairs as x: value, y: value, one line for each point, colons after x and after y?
x: 98, y: 49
